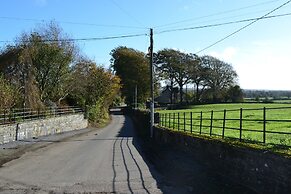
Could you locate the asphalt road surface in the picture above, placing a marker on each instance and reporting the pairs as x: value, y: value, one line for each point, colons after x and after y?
x: 101, y: 161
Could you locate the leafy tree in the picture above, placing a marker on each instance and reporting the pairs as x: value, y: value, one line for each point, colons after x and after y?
x: 174, y: 66
x: 220, y: 76
x: 17, y: 68
x: 51, y: 61
x: 40, y: 64
x: 198, y: 76
x: 8, y: 94
x: 133, y: 69
x: 235, y: 94
x: 94, y: 87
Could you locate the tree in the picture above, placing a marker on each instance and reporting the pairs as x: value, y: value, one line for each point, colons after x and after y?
x: 51, y: 60
x: 8, y: 94
x: 40, y: 63
x: 94, y: 87
x: 198, y: 76
x: 133, y: 69
x: 174, y: 65
x: 235, y: 94
x: 220, y: 76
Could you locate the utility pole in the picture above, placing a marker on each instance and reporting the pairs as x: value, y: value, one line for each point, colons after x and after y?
x: 152, y: 108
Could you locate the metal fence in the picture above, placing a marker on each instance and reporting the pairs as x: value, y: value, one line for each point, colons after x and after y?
x: 264, y: 125
x: 10, y: 116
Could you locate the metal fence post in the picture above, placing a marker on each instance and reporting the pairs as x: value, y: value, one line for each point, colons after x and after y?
x: 191, y: 122
x: 264, y: 125
x: 240, y: 125
x: 174, y: 121
x: 211, y: 122
x: 169, y: 120
x: 184, y: 121
x: 23, y: 114
x: 166, y: 121
x: 14, y: 115
x: 223, y: 125
x: 16, y: 131
x: 178, y: 121
x: 10, y: 115
x: 200, y: 122
x: 4, y: 116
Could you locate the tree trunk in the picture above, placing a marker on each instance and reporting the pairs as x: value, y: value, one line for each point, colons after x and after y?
x: 197, y: 93
x: 181, y: 93
x: 171, y: 87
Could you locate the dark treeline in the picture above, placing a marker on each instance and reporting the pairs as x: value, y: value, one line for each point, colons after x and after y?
x: 41, y: 69
x: 274, y: 94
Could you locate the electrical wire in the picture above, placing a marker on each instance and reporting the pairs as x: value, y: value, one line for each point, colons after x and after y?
x: 222, y: 24
x: 127, y: 13
x: 84, y: 39
x: 242, y: 28
x: 72, y: 23
x: 230, y: 17
x: 215, y: 14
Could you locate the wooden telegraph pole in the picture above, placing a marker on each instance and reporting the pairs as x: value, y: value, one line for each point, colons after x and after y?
x: 152, y: 83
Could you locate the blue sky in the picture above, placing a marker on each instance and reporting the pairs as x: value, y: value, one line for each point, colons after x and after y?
x: 260, y: 54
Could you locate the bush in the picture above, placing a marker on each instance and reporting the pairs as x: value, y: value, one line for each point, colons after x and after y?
x: 97, y: 114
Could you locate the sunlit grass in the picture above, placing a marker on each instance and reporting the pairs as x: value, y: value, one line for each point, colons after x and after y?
x: 252, y: 121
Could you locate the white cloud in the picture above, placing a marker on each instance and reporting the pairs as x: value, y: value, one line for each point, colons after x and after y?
x: 226, y: 55
x: 264, y: 65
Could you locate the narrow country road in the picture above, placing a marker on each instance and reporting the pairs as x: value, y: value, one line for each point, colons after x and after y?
x: 101, y: 161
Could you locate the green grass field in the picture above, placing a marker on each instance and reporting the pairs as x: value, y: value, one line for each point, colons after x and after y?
x: 251, y: 130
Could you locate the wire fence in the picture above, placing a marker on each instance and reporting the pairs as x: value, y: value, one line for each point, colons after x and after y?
x: 16, y: 115
x: 264, y: 125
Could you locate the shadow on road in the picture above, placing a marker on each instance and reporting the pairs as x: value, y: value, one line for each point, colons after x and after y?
x: 127, y: 145
x: 176, y: 170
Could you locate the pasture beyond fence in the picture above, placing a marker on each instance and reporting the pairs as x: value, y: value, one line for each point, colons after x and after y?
x: 10, y: 116
x: 256, y: 125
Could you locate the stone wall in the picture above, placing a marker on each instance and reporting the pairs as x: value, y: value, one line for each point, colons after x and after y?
x: 41, y: 127
x: 260, y: 170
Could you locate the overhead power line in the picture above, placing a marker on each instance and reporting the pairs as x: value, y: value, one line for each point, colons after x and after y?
x: 242, y: 28
x: 219, y: 19
x: 72, y: 23
x: 127, y: 13
x: 215, y: 14
x: 84, y: 39
x: 222, y: 24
